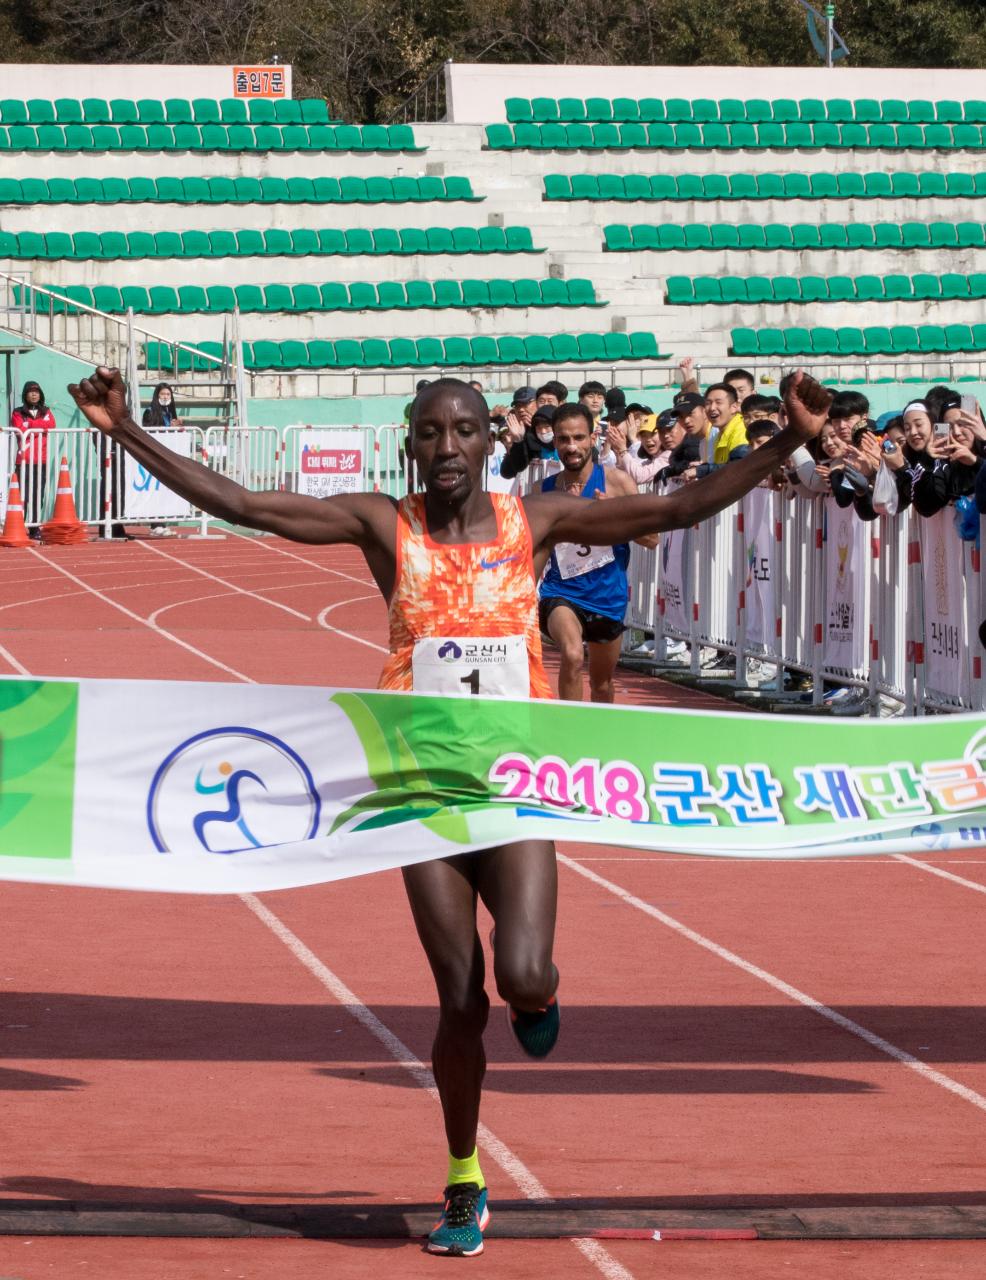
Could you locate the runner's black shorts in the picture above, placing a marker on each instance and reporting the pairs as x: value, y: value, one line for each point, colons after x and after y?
x: 596, y: 627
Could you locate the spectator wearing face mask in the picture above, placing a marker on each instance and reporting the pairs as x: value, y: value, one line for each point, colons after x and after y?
x: 722, y: 410
x: 536, y: 445
x: 162, y: 411
x: 34, y: 420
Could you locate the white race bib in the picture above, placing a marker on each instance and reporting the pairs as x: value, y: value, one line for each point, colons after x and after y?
x: 463, y: 666
x: 576, y: 558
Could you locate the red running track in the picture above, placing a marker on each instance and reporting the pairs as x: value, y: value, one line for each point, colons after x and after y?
x: 735, y: 1033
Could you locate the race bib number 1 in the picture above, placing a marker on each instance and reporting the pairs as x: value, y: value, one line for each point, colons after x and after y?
x: 467, y: 666
x: 575, y: 558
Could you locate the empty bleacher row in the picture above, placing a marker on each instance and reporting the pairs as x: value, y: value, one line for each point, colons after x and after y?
x: 207, y: 137
x: 759, y: 290
x: 847, y: 185
x: 871, y: 341
x: 738, y: 111
x: 334, y: 296
x: 735, y: 137
x: 754, y: 236
x: 276, y: 242
x: 39, y: 111
x: 269, y: 189
x: 422, y: 353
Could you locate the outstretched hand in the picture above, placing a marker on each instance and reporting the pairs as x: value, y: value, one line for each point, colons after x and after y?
x: 807, y: 405
x: 102, y: 398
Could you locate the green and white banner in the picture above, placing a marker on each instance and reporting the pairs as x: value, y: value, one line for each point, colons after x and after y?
x: 215, y: 788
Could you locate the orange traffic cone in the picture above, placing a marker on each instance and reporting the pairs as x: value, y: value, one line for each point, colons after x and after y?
x: 14, y: 533
x: 64, y: 529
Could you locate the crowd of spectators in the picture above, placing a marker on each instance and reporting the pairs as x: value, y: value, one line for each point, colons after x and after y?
x: 926, y: 455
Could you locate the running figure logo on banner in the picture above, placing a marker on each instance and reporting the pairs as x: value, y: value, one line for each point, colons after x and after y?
x: 330, y: 463
x: 146, y: 497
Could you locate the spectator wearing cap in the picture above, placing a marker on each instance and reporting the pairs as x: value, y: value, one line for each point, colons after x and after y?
x: 685, y: 443
x: 643, y: 459
x: 722, y: 409
x: 536, y: 445
x: 517, y: 419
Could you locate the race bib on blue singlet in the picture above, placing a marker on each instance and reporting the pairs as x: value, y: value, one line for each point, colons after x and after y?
x: 464, y: 666
x: 574, y: 558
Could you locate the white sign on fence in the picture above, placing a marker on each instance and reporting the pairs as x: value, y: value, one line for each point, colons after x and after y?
x: 671, y: 551
x: 146, y: 498
x: 944, y: 647
x: 845, y: 587
x: 330, y: 462
x: 758, y: 546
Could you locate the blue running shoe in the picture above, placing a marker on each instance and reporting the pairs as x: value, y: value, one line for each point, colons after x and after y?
x: 535, y: 1032
x: 459, y: 1231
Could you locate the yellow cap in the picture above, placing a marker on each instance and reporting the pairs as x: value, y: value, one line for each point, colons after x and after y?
x: 648, y: 424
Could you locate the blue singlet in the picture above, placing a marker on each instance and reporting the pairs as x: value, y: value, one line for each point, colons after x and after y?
x: 603, y: 590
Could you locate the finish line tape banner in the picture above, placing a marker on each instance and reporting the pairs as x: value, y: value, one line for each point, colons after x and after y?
x: 216, y: 788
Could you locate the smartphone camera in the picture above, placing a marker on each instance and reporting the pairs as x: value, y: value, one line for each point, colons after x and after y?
x: 888, y: 446
x: 941, y: 430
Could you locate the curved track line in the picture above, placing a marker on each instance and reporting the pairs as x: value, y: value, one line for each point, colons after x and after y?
x: 512, y: 1165
x: 937, y: 871
x: 800, y: 997
x: 167, y: 635
x: 339, y: 573
x: 243, y: 591
x: 348, y: 635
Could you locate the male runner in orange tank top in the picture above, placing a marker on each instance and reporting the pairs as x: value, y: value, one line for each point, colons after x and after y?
x: 458, y: 565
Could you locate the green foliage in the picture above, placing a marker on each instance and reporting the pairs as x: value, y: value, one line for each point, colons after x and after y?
x: 365, y: 56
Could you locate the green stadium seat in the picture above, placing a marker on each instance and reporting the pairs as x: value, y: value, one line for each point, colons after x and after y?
x: 905, y: 340
x: 931, y: 337
x: 420, y: 293
x: 713, y: 137
x: 977, y: 287
x: 196, y: 244
x: 749, y: 236
x: 824, y: 342
x: 278, y: 297
x: 743, y: 137
x: 142, y: 244
x: 571, y: 110
x: 470, y: 240
x: 250, y: 297
x: 34, y: 190
x: 733, y: 289
x: 205, y: 111
x: 798, y: 136
x: 878, y: 340
x: 805, y: 235
x: 448, y: 293
x: 745, y: 186
x: 851, y: 341
x: 790, y: 186
x: 959, y: 337
x: 898, y: 288
x: 859, y: 235
x: 564, y: 348
x: 224, y: 244
x: 544, y: 110
x: 333, y: 297
x: 796, y: 342
x: 219, y: 298
x: 518, y: 110
x: 592, y: 347
x: 114, y: 245
x: 391, y: 296
x: 744, y: 342
x: 970, y: 235
x: 107, y: 298
x: 851, y: 186
x: 363, y: 296
x: 680, y: 291
x: 869, y: 289
x: 698, y: 235
x: 62, y: 191
x: 967, y: 137
x: 783, y: 289
x: 770, y: 342
x: 618, y: 238
x: 643, y: 346
x: 926, y: 286
x: 288, y: 111
x: 770, y: 135
x: 475, y: 293
x: 163, y: 300
x: 778, y: 236
x: 888, y: 235
x: 842, y: 289
x: 758, y: 111
x: 824, y: 186
x: 878, y: 186
x: 305, y: 242
x: 759, y: 290
x: 854, y: 136
x: 483, y: 351
x: 708, y: 290
x: 954, y: 285
x: 943, y: 235
x: 915, y: 235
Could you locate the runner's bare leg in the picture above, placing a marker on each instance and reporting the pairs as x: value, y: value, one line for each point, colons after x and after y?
x: 566, y: 631
x: 603, y: 657
x: 518, y: 884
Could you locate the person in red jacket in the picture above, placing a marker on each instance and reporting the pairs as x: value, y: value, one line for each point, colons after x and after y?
x: 35, y: 420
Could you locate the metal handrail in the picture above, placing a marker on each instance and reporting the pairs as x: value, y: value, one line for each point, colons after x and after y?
x: 433, y: 89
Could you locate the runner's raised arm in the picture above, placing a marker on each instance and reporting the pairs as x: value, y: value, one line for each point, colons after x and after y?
x: 554, y: 519
x: 364, y: 518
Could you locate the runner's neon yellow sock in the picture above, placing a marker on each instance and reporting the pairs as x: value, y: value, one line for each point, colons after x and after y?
x: 467, y: 1170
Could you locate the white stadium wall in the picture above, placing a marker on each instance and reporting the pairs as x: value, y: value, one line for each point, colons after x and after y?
x: 145, y: 80
x: 476, y: 92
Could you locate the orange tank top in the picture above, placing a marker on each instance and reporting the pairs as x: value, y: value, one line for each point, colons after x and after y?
x: 463, y: 619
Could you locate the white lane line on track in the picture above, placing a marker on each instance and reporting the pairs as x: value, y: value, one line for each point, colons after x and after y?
x: 144, y: 622
x: 293, y: 555
x: 224, y: 582
x: 511, y: 1164
x: 809, y: 1002
x: 937, y: 871
x: 348, y: 635
x: 9, y: 657
x: 218, y: 595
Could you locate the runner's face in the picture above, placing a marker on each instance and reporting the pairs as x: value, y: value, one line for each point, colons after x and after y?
x: 573, y: 444
x: 450, y: 442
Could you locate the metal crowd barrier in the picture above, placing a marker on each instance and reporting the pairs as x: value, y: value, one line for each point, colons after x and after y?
x: 890, y: 607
